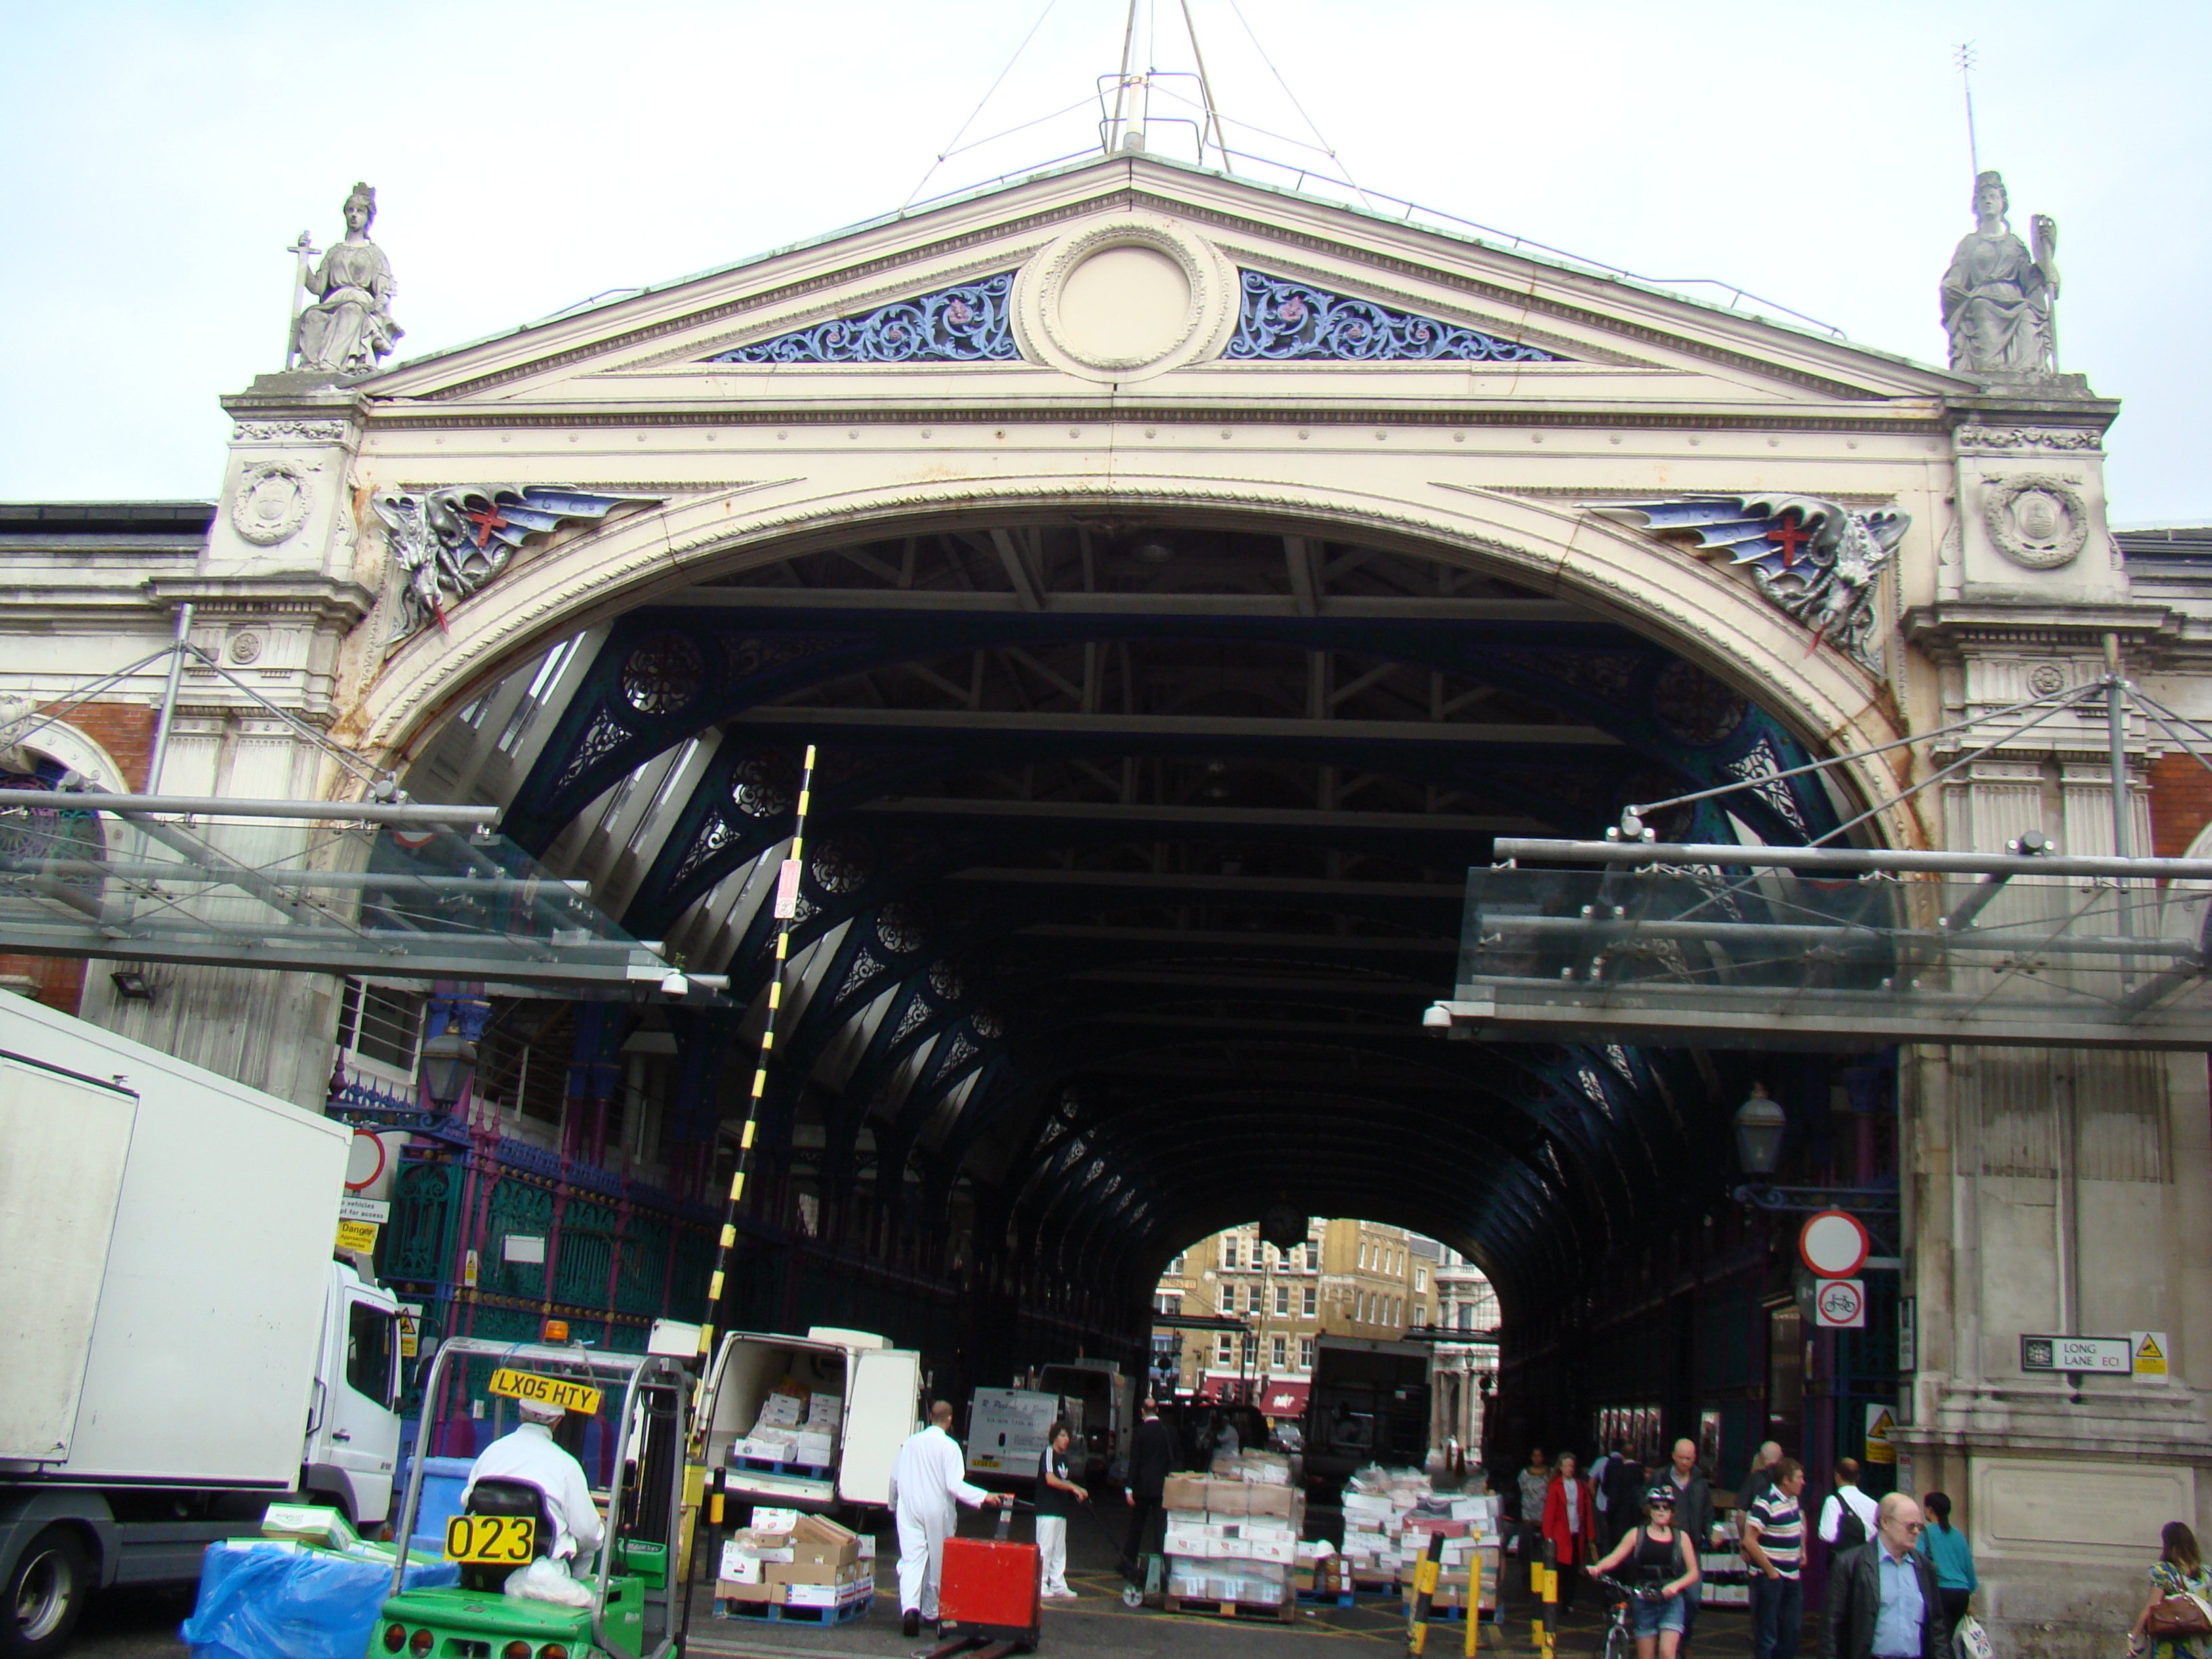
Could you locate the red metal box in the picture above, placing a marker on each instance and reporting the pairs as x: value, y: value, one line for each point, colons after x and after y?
x: 991, y: 1584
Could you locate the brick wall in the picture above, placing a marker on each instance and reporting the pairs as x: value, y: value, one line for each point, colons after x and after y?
x: 2180, y: 803
x: 124, y: 730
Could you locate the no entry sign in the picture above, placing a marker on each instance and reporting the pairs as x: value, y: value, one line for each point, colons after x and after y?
x: 1833, y: 1243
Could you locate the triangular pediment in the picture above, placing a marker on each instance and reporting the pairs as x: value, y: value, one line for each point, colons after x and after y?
x: 1137, y: 275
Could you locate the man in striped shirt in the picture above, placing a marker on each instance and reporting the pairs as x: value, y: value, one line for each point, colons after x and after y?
x: 1774, y: 1544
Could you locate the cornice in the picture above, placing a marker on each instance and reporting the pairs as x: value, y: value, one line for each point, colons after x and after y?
x: 321, y: 598
x: 1946, y: 631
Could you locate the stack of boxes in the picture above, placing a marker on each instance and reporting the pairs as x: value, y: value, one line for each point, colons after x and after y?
x: 1233, y: 1536
x: 794, y: 1427
x: 1319, y: 1569
x: 1390, y: 1517
x: 788, y: 1559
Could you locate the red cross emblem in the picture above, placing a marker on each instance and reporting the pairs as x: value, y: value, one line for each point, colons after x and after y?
x: 486, y: 520
x: 1791, y: 533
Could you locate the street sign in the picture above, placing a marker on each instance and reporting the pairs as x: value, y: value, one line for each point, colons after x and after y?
x: 2150, y: 1351
x: 1839, y: 1304
x: 377, y: 1210
x: 1880, y: 1420
x: 357, y: 1236
x: 410, y: 1329
x: 2107, y: 1355
x: 1908, y: 1333
x: 365, y: 1161
x: 1833, y: 1243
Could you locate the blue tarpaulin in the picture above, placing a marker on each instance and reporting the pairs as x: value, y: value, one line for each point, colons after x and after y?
x: 261, y: 1600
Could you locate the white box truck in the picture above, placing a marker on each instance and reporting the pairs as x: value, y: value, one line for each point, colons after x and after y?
x: 172, y: 1321
x: 1110, y: 1414
x: 1007, y: 1430
x: 878, y: 1393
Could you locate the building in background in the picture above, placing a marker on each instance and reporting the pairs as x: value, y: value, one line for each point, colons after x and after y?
x: 1464, y: 1368
x: 1348, y: 1278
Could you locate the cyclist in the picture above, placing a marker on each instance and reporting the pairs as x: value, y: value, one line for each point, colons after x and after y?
x: 1657, y: 1562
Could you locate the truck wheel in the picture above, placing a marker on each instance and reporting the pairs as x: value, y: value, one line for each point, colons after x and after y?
x: 45, y: 1593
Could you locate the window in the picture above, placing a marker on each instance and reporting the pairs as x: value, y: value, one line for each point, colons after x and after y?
x: 1420, y: 1313
x: 1174, y: 1267
x: 1229, y: 1252
x: 379, y: 1031
x: 1305, y: 1353
x: 1420, y: 1278
x: 1313, y: 1256
x: 369, y: 1349
x: 1168, y: 1302
x: 1364, y: 1249
x: 1283, y: 1299
x: 1367, y: 1307
x: 1467, y: 1315
x: 1224, y: 1353
x: 1278, y: 1353
x: 1313, y: 1302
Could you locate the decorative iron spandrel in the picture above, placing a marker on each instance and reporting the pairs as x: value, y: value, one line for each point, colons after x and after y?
x: 964, y: 323
x: 1284, y: 321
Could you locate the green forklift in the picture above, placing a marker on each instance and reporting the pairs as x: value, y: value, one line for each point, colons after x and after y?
x: 633, y: 1610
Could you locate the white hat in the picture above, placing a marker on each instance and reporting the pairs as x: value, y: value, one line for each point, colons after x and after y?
x: 542, y: 1410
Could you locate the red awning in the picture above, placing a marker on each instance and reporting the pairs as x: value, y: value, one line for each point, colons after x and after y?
x: 1284, y: 1399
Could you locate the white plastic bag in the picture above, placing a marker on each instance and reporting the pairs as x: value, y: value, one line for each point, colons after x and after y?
x: 1972, y: 1641
x: 547, y: 1580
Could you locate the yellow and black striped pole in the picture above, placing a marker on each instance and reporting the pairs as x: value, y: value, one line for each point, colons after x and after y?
x: 1425, y: 1573
x: 787, y: 912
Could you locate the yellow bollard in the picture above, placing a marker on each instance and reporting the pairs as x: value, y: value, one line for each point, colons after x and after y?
x: 1474, y: 1601
x: 1551, y: 1639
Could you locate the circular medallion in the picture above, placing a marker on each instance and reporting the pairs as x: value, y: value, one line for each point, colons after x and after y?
x: 2046, y: 679
x: 758, y: 790
x: 271, y: 503
x: 662, y: 675
x: 898, y: 928
x: 1125, y: 298
x: 838, y: 869
x: 245, y: 646
x: 2037, y: 520
x: 1695, y: 707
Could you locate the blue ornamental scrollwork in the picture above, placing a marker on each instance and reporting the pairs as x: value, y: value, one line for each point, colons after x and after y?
x: 965, y: 324
x: 1283, y: 321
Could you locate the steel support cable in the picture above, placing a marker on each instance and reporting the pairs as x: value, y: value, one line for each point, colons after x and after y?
x: 1327, y: 149
x: 980, y: 102
x: 786, y: 907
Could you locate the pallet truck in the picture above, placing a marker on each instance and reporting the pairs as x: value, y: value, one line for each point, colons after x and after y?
x: 992, y: 1590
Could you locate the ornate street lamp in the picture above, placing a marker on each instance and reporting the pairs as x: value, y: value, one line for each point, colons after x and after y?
x: 1758, y: 1126
x: 449, y: 1064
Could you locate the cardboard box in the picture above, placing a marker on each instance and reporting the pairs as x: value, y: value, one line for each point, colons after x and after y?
x: 782, y: 1411
x: 1230, y: 1498
x: 759, y: 1595
x: 1268, y: 1500
x: 820, y: 1542
x: 817, y: 1450
x: 1183, y: 1492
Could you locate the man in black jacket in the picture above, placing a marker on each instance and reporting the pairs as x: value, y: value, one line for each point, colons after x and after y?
x: 1693, y: 1517
x: 1151, y: 1451
x: 1882, y: 1599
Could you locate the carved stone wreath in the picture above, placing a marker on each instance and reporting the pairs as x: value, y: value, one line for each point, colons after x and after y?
x: 2037, y: 520
x: 271, y: 503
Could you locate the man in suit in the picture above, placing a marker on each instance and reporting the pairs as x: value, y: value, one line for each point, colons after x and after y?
x: 1883, y: 1602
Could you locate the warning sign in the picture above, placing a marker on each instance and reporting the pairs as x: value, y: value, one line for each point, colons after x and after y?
x: 1880, y: 1420
x: 357, y: 1236
x: 2150, y: 1350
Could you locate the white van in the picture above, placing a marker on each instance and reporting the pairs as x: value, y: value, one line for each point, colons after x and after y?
x: 879, y: 1390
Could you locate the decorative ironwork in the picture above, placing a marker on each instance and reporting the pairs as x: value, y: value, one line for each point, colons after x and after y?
x: 602, y: 739
x: 1813, y: 559
x: 662, y: 675
x: 759, y: 790
x: 449, y: 543
x: 899, y: 929
x: 966, y: 324
x: 1283, y: 321
x: 1762, y: 763
x: 711, y: 840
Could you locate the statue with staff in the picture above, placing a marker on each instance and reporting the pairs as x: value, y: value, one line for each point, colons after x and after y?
x: 1999, y: 296
x: 349, y: 328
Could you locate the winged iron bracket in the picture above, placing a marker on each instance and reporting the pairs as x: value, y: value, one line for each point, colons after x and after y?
x: 1812, y: 558
x: 450, y: 543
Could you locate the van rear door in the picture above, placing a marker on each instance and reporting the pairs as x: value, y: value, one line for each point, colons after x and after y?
x: 882, y: 1404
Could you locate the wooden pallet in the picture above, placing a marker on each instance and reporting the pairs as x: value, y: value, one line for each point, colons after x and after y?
x: 1284, y: 1612
x: 796, y: 1471
x: 775, y: 1611
x: 1320, y: 1598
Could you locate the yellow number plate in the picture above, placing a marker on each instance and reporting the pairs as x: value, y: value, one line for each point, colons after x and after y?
x: 491, y: 1541
x: 552, y: 1390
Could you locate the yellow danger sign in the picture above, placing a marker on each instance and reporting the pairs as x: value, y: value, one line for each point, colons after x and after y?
x: 549, y: 1390
x: 357, y: 1234
x: 1880, y: 1421
x: 2149, y: 1349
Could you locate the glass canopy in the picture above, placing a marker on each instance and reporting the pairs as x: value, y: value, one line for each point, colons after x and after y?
x: 413, y: 902
x: 1726, y: 956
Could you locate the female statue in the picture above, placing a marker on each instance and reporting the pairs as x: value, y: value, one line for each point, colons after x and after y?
x: 352, y: 326
x: 1996, y: 296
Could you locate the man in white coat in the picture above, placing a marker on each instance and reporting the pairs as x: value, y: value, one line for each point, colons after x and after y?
x: 930, y: 1477
x: 529, y: 1453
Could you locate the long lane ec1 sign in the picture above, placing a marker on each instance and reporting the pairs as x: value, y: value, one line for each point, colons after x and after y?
x: 2111, y: 1355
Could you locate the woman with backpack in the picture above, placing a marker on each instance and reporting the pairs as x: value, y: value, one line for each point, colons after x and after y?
x: 2177, y: 1620
x: 1658, y: 1561
x: 1946, y: 1546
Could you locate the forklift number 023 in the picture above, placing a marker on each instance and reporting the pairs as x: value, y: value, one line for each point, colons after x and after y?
x: 552, y: 1390
x: 497, y: 1540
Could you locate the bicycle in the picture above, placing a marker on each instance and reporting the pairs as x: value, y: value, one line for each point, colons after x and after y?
x: 1620, y: 1621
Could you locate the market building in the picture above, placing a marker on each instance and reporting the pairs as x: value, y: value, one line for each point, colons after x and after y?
x: 1159, y: 592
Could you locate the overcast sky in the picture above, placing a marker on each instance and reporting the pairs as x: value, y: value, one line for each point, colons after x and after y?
x: 155, y: 161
